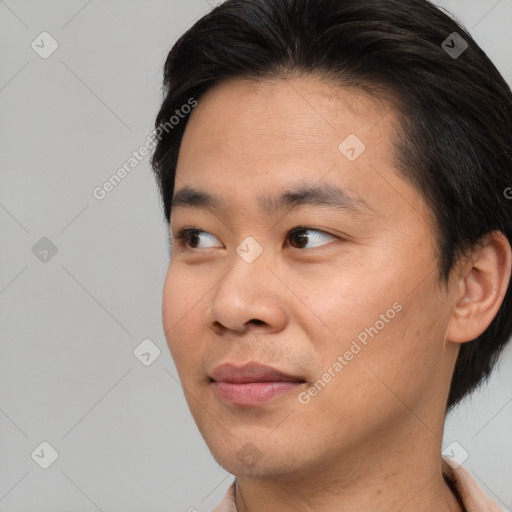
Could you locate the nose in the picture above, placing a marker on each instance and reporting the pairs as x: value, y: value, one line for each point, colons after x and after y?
x: 248, y: 297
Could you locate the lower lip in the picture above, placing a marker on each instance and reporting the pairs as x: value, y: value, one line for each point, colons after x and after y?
x: 253, y: 393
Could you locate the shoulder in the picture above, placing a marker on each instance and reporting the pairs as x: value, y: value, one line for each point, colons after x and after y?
x: 470, y: 493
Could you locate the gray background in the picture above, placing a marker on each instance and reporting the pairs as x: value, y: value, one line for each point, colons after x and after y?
x: 69, y: 325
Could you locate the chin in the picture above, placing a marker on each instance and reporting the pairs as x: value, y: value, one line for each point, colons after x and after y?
x: 254, y: 467
x: 244, y: 456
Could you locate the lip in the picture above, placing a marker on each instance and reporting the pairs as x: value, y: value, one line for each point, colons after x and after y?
x: 250, y: 372
x: 252, y: 383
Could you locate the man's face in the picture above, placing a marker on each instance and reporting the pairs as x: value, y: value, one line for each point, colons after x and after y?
x: 347, y: 307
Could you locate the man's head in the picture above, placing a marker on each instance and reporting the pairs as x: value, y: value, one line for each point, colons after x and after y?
x: 407, y: 275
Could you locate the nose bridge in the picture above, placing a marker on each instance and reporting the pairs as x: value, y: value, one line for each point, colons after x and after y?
x: 248, y: 270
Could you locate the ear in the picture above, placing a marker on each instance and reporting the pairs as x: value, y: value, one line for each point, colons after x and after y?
x: 480, y: 288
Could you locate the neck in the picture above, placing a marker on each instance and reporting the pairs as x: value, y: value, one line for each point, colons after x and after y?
x: 398, y: 471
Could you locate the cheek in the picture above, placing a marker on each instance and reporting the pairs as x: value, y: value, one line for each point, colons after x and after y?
x: 379, y: 379
x: 182, y: 316
x: 380, y: 325
x: 398, y: 360
x: 348, y: 303
x: 181, y: 299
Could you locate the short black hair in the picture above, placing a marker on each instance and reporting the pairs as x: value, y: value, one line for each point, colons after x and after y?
x: 455, y: 112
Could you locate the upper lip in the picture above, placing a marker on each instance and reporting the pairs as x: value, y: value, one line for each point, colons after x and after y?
x: 250, y: 372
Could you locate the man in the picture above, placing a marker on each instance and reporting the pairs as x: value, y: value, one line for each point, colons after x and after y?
x: 341, y: 255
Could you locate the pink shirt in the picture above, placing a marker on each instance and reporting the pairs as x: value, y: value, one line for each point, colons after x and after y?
x: 469, y: 492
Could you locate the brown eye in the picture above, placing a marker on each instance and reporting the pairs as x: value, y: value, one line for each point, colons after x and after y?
x: 191, y: 237
x: 300, y: 237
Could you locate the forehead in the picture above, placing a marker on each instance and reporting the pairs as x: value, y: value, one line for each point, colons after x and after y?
x: 287, y: 114
x: 248, y: 139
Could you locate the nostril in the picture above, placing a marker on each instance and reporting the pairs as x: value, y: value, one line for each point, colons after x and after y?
x: 217, y: 327
x: 257, y: 322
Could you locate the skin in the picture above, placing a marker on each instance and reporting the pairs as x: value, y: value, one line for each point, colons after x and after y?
x: 371, y: 439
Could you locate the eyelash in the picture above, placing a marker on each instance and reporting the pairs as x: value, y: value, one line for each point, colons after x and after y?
x: 183, y: 233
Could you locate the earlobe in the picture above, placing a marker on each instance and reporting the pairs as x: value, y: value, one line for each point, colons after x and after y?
x: 481, y: 285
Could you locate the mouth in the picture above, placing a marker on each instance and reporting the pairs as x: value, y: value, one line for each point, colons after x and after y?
x: 252, y: 384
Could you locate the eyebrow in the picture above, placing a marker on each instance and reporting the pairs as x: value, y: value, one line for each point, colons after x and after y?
x: 318, y: 195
